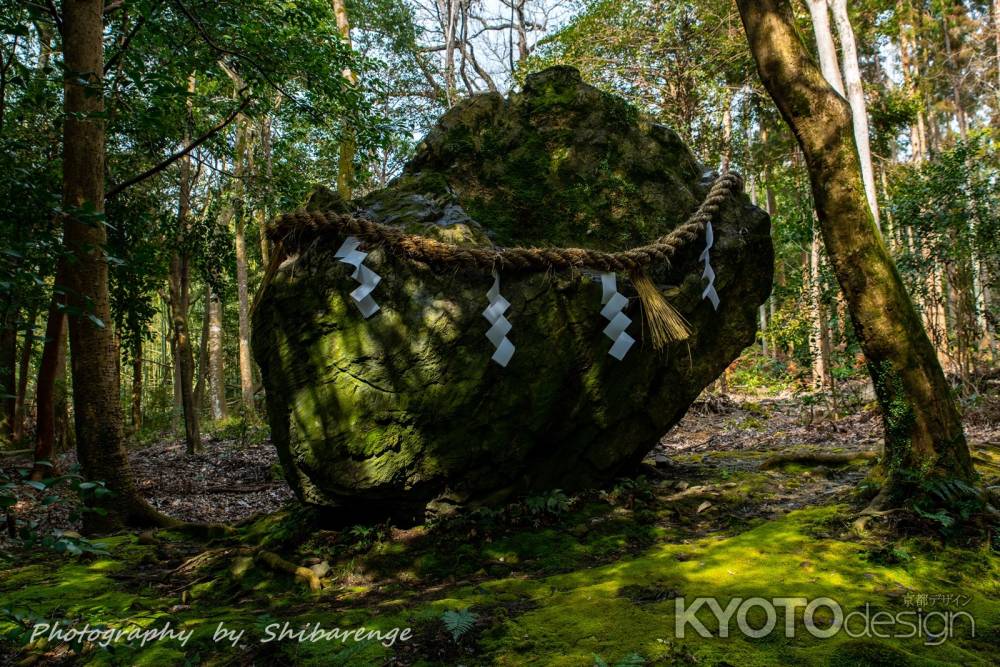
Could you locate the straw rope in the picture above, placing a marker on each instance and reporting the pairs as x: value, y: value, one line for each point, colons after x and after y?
x: 295, y: 229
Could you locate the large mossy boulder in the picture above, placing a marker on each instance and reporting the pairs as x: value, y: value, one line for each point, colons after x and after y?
x: 389, y: 414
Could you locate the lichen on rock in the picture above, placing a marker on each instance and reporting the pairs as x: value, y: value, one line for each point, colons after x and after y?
x: 390, y: 414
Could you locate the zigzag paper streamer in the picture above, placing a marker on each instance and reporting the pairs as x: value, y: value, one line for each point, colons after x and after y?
x: 362, y: 294
x: 500, y: 325
x: 614, y: 302
x: 709, y: 292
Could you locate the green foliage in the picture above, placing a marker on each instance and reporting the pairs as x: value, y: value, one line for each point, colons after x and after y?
x: 29, y: 530
x: 458, y: 622
x: 551, y: 502
x: 629, y: 491
x: 630, y: 660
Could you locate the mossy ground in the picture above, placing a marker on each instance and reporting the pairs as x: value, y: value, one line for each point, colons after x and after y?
x: 551, y: 580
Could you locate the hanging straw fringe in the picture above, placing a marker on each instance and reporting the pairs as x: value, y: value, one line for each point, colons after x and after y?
x: 666, y: 324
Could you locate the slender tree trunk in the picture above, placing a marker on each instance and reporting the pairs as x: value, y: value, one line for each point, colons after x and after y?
x: 262, y: 212
x: 216, y: 371
x: 180, y: 279
x: 923, y: 430
x: 99, y: 432
x: 906, y: 64
x: 199, y: 387
x: 827, y: 50
x: 819, y: 351
x: 53, y: 350
x: 246, y: 368
x: 20, y: 401
x: 65, y: 432
x: 856, y: 96
x: 137, y: 382
x: 177, y: 418
x: 345, y: 162
x: 956, y: 90
x: 8, y: 369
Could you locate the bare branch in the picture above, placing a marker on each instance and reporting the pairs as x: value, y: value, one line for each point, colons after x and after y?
x: 152, y: 171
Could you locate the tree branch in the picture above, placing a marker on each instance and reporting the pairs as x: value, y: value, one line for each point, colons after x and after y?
x: 152, y: 171
x: 141, y: 21
x: 242, y: 56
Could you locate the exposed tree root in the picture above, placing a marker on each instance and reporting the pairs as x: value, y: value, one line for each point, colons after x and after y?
x: 815, y: 459
x: 279, y: 564
x: 879, y: 506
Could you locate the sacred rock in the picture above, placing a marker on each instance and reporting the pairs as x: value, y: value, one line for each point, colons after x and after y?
x: 389, y: 414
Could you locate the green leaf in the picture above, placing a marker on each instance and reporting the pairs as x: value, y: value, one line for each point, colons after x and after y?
x: 458, y: 622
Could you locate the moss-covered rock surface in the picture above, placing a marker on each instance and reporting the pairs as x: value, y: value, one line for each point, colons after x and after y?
x: 406, y: 409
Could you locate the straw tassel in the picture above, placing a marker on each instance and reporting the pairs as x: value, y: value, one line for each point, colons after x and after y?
x: 666, y: 324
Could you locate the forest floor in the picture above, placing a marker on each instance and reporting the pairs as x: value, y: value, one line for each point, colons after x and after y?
x: 746, y: 497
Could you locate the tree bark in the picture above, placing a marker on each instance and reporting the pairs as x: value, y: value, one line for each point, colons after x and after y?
x: 137, y: 382
x: 65, y: 433
x: 216, y: 371
x: 856, y: 97
x: 20, y: 401
x: 180, y: 279
x: 345, y: 161
x: 923, y: 431
x: 99, y: 432
x: 242, y: 292
x: 818, y: 339
x: 820, y: 14
x: 8, y: 372
x: 53, y: 349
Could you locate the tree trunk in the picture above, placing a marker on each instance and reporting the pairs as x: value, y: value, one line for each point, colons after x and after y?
x: 345, y: 162
x: 923, y: 431
x: 99, y: 433
x: 819, y: 350
x: 20, y: 401
x: 246, y: 369
x: 199, y: 387
x: 65, y: 433
x: 827, y: 50
x: 137, y: 388
x: 180, y: 279
x: 262, y: 212
x: 53, y: 350
x: 216, y: 371
x: 856, y: 97
x: 8, y: 373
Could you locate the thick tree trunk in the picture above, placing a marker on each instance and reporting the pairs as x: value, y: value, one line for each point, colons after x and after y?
x: 99, y: 434
x: 856, y: 96
x: 923, y: 431
x: 216, y: 371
